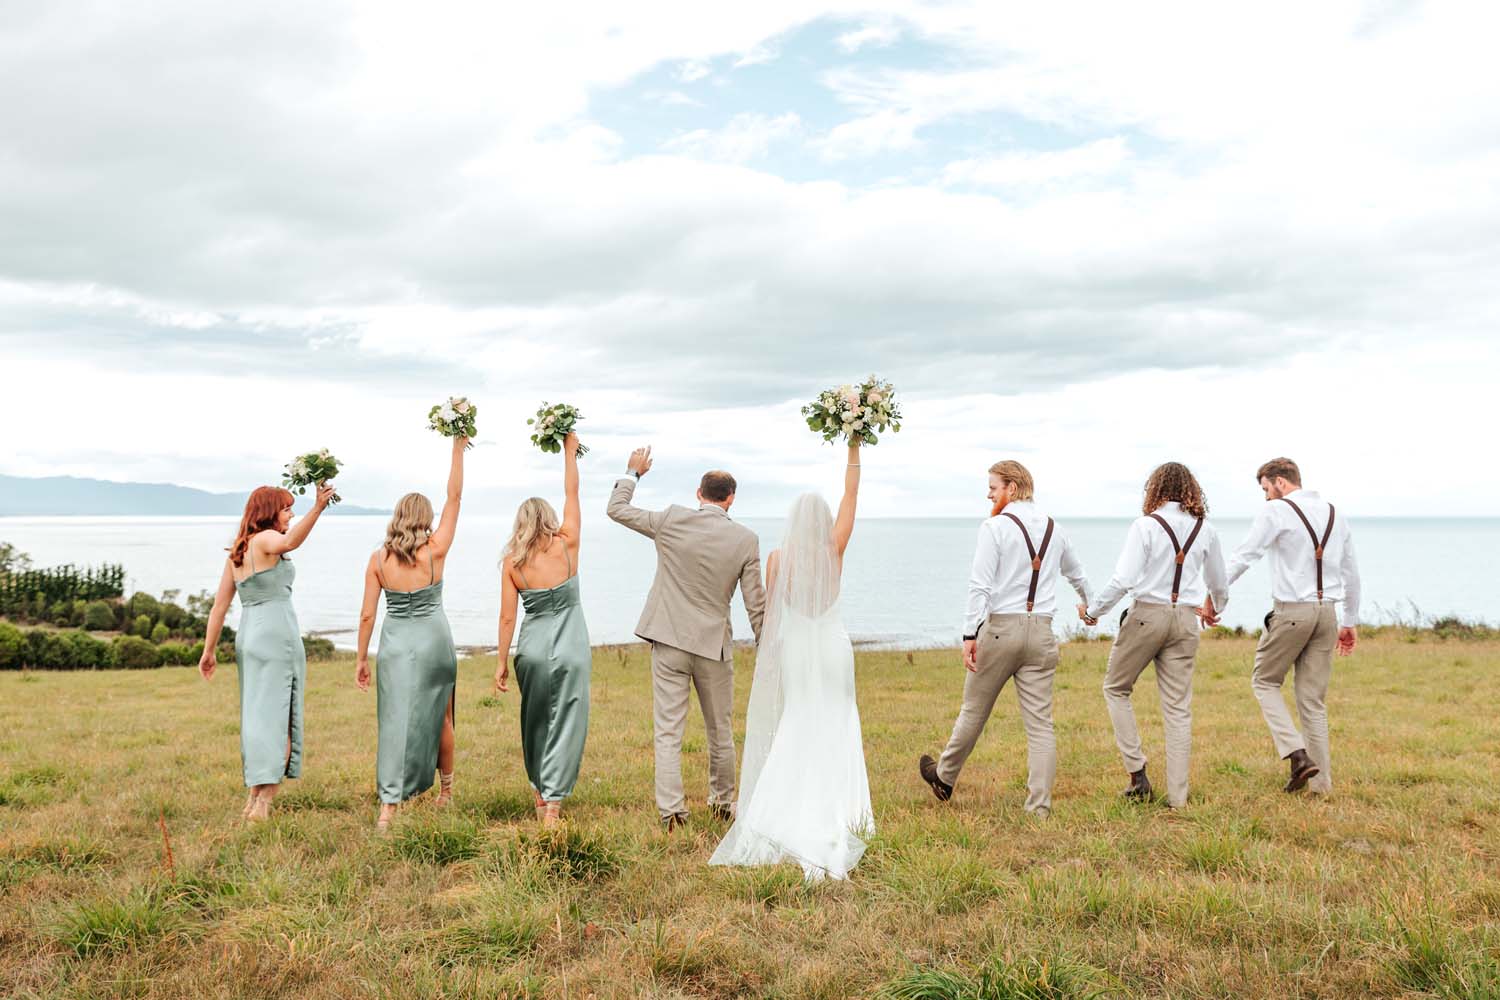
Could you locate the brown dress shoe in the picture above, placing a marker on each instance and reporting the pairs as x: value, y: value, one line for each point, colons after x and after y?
x: 721, y: 812
x: 1140, y: 787
x: 672, y: 822
x: 1302, y: 769
x: 928, y: 769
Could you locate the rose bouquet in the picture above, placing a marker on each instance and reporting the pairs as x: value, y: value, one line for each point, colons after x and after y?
x: 854, y: 411
x: 553, y: 424
x: 454, y: 418
x: 312, y: 469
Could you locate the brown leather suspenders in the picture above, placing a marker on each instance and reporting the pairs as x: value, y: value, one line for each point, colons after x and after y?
x: 1181, y: 550
x: 1036, y: 557
x: 1318, y: 546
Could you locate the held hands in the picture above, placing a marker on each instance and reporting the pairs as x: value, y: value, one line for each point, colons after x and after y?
x: 362, y: 674
x: 1207, y: 613
x: 207, y: 662
x: 1083, y: 616
x: 1347, y: 639
x: 325, y: 496
x: 502, y: 676
x: 971, y: 655
x: 640, y: 461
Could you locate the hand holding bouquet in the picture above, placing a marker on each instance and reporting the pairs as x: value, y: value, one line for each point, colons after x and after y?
x: 854, y: 411
x: 313, y: 469
x: 553, y: 425
x: 454, y: 418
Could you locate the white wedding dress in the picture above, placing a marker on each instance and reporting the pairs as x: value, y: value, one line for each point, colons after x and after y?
x: 804, y: 793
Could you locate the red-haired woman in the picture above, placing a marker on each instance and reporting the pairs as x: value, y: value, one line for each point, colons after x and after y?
x: 268, y: 643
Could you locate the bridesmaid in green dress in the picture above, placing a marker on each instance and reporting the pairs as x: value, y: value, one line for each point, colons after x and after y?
x: 553, y: 660
x: 268, y: 644
x: 417, y: 668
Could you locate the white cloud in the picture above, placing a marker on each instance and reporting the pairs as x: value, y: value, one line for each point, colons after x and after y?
x: 747, y: 136
x: 879, y: 35
x: 1089, y: 161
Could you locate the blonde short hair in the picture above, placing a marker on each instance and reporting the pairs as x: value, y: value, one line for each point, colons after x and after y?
x: 1015, y: 473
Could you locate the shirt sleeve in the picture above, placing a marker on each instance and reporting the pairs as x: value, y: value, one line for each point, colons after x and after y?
x: 1128, y: 569
x: 1349, y: 573
x: 982, y: 578
x: 1072, y: 570
x: 1215, y: 577
x: 1263, y: 531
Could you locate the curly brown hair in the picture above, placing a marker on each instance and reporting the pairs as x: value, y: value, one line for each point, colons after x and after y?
x: 1174, y: 481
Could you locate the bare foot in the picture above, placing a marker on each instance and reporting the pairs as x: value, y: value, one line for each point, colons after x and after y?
x: 260, y: 810
x: 445, y: 789
x: 249, y: 804
x: 541, y: 806
x: 387, y: 813
x: 552, y: 815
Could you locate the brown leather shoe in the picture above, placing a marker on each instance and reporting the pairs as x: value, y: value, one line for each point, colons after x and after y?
x: 1302, y: 769
x: 928, y: 769
x: 721, y: 812
x: 1140, y: 787
x: 672, y: 822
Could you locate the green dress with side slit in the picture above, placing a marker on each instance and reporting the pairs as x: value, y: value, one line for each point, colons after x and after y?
x: 416, y: 676
x: 272, y: 668
x: 553, y: 664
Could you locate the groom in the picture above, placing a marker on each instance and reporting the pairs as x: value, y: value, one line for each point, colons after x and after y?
x: 700, y: 556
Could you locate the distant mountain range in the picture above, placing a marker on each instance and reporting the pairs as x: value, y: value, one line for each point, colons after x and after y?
x: 64, y: 495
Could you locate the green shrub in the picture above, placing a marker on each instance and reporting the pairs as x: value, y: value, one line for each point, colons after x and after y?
x: 179, y: 654
x: 98, y: 616
x: 12, y: 647
x: 84, y: 651
x: 141, y: 626
x: 134, y: 653
x: 225, y: 653
x: 58, y: 613
x: 143, y: 604
x: 76, y: 612
x: 160, y: 633
x: 317, y: 648
x: 173, y: 615
x: 45, y: 650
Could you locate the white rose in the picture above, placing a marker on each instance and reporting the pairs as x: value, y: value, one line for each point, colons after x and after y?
x: 462, y: 406
x: 848, y: 427
x: 446, y: 414
x: 875, y: 396
x: 859, y: 425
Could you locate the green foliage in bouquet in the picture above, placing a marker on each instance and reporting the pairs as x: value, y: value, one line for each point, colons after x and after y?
x: 309, y: 470
x: 553, y: 424
x: 455, y: 418
x: 854, y: 412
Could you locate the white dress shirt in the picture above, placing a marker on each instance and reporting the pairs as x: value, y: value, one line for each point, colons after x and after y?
x: 1148, y: 564
x: 1001, y: 575
x: 1294, y: 575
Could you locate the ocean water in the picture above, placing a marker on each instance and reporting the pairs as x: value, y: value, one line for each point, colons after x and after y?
x: 904, y: 578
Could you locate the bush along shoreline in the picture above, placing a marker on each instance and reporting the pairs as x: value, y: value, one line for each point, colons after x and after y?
x: 99, y: 630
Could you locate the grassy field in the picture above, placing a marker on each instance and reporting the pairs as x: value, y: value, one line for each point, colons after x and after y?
x: 1390, y: 887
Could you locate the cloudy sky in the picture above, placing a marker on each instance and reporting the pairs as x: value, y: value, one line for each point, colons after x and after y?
x: 1092, y: 237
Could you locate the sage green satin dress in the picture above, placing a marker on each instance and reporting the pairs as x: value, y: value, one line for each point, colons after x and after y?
x: 416, y: 676
x: 272, y: 668
x: 553, y: 664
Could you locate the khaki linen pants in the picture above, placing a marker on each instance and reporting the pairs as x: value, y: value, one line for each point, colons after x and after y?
x: 1169, y: 636
x: 1020, y: 646
x: 1299, y: 636
x: 673, y: 672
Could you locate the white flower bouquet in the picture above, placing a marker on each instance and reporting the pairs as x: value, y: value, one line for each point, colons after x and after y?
x: 854, y: 411
x: 553, y: 424
x: 313, y: 469
x: 454, y: 418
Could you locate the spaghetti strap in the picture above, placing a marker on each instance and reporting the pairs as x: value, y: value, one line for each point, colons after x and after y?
x: 517, y: 567
x: 569, y: 553
x: 379, y: 562
x: 431, y: 579
x: 250, y: 552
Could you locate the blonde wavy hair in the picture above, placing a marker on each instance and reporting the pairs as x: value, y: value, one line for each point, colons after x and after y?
x: 410, y: 528
x: 536, y: 525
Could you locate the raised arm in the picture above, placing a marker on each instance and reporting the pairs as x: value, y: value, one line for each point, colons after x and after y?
x: 572, y: 521
x: 278, y: 544
x: 509, y: 600
x: 622, y: 511
x: 210, y: 657
x: 442, y: 538
x: 843, y: 525
x: 367, y: 622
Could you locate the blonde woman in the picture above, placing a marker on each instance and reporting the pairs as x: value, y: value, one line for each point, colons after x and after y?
x: 553, y: 661
x: 417, y: 667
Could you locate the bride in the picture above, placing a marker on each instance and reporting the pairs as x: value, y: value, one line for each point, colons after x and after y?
x: 804, y: 794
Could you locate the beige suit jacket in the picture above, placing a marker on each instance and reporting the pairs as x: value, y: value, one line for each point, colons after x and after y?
x: 700, y: 556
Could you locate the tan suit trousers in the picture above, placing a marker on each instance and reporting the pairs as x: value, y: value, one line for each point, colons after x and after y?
x: 1016, y: 646
x: 1299, y: 636
x: 673, y: 672
x: 1168, y: 636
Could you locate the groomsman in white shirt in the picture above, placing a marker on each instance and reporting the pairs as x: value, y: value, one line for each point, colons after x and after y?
x: 1171, y: 563
x: 1312, y: 569
x: 1008, y: 633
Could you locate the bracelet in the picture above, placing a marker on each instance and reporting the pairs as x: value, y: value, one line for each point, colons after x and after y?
x: 853, y: 465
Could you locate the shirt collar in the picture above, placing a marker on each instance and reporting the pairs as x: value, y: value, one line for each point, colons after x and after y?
x: 713, y: 507
x: 1300, y: 492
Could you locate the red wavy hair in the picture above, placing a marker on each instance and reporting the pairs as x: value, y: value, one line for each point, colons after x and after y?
x: 265, y: 504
